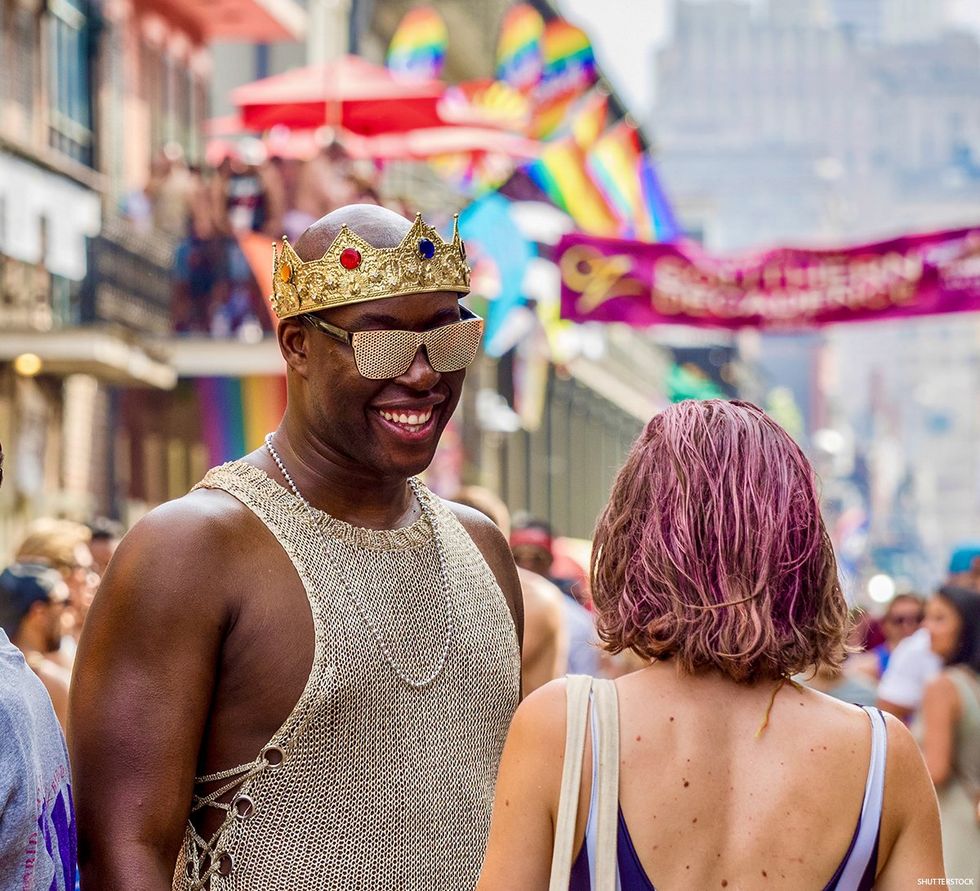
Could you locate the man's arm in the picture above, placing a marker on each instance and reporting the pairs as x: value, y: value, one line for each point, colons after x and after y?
x: 492, y: 544
x: 141, y: 692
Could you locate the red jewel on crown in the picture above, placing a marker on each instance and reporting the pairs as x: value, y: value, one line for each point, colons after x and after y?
x: 350, y: 258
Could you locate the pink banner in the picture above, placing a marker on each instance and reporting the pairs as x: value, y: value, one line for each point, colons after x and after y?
x: 640, y: 284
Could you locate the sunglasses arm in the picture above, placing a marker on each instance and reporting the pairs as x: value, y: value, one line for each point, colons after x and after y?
x: 331, y: 330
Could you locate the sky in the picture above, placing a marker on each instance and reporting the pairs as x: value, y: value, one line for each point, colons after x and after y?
x: 626, y: 35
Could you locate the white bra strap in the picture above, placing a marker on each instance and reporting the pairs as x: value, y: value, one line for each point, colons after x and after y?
x: 874, y: 789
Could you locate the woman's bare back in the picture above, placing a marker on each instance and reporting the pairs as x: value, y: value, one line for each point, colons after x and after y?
x: 710, y: 802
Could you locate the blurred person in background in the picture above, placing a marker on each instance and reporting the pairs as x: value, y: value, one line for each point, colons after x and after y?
x: 532, y: 543
x: 545, y: 653
x: 712, y: 561
x: 248, y: 192
x: 902, y: 619
x: 64, y: 546
x: 37, y: 816
x: 964, y: 566
x: 950, y: 725
x: 200, y: 280
x: 544, y: 656
x: 170, y: 190
x: 33, y: 599
x: 105, y: 537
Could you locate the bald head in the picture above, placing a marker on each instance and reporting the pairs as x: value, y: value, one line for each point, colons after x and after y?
x: 378, y: 226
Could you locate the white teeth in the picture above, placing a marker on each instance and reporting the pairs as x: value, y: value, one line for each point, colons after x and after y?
x: 409, y: 420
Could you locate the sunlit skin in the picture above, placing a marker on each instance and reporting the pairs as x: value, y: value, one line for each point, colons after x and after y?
x: 200, y: 640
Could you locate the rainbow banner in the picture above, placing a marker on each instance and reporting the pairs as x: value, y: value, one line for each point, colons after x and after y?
x: 643, y: 284
x: 569, y: 70
x: 418, y: 47
x: 614, y: 165
x: 237, y: 413
x: 519, y: 59
x: 562, y: 175
x: 589, y: 117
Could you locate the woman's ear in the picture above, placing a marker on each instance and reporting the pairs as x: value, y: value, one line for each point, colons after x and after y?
x: 294, y: 343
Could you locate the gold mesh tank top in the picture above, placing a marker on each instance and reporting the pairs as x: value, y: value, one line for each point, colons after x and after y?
x: 370, y: 783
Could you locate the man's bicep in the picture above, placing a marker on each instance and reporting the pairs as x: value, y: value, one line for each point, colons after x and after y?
x: 140, y: 696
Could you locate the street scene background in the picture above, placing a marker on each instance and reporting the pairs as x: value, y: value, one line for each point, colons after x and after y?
x: 151, y: 152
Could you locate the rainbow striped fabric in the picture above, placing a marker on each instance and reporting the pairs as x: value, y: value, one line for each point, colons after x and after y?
x: 519, y: 58
x: 418, y: 47
x: 236, y: 413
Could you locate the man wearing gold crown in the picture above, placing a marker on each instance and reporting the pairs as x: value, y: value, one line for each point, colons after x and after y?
x: 301, y: 674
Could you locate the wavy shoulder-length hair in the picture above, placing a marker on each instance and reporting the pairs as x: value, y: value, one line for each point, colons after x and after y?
x: 712, y: 550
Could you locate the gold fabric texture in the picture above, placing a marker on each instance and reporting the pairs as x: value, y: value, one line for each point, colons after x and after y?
x: 371, y: 783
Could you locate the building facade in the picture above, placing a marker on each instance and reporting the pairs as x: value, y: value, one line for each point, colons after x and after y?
x: 89, y: 93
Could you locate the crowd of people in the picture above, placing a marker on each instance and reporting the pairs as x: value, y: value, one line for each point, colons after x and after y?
x: 250, y: 189
x: 46, y: 592
x: 360, y: 647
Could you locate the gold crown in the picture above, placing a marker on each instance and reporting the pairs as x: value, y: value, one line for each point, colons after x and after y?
x: 353, y: 271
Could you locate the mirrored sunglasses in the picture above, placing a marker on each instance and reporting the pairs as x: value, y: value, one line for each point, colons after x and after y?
x: 388, y: 353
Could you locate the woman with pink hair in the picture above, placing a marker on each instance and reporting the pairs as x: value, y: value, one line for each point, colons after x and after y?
x: 709, y: 767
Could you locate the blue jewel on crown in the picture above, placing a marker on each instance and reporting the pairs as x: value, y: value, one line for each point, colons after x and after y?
x: 426, y: 248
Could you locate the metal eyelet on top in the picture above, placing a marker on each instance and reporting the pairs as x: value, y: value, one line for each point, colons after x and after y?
x: 226, y: 863
x: 243, y: 807
x: 273, y: 756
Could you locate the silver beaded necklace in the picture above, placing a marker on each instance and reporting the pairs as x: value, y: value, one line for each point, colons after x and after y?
x: 416, y: 683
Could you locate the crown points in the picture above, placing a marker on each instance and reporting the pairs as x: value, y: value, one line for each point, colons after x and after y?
x: 422, y: 263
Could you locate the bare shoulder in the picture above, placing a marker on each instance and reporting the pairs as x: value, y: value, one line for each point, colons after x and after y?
x: 941, y: 688
x: 540, y: 719
x: 481, y: 528
x: 179, y: 550
x: 496, y: 551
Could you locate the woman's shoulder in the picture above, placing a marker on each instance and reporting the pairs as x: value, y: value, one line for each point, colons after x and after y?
x: 540, y: 719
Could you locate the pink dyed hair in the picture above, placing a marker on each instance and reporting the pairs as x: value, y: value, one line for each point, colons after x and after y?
x: 712, y: 550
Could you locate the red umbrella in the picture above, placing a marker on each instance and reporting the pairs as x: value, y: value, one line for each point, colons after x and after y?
x: 348, y: 92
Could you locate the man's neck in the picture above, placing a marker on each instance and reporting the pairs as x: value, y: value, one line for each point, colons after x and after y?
x: 339, y: 487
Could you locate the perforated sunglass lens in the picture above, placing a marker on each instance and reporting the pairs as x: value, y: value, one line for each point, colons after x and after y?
x: 385, y: 354
x: 389, y: 353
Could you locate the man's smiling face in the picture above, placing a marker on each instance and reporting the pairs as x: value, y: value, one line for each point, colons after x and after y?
x: 390, y: 427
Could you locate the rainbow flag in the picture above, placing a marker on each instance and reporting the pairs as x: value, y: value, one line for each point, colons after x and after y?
x: 569, y: 70
x: 656, y: 219
x: 562, y: 174
x: 418, y: 47
x: 519, y: 59
x: 613, y: 164
x: 236, y: 413
x: 590, y: 117
x: 565, y: 47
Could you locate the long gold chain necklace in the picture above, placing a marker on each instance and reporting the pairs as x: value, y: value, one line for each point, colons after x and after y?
x: 416, y: 683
